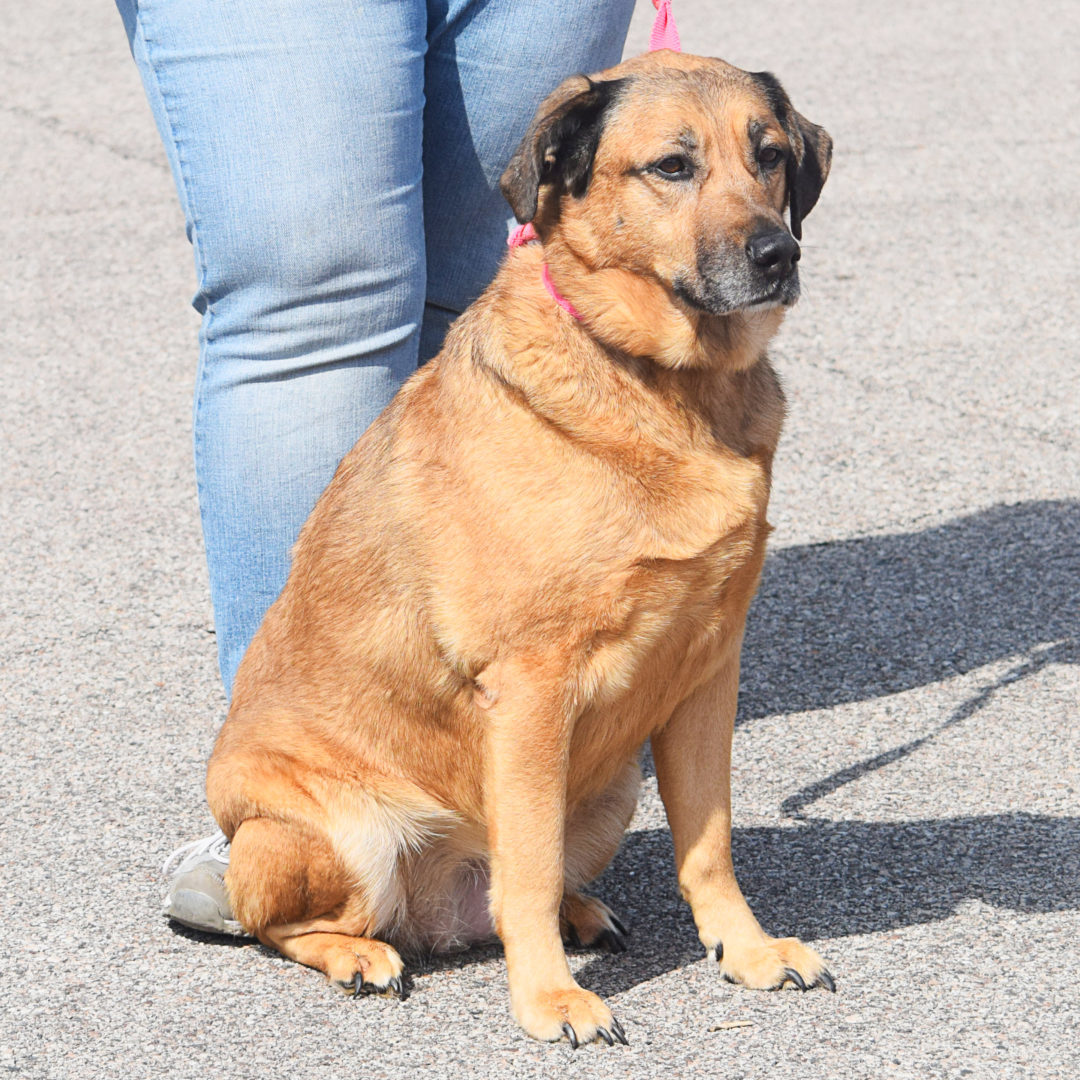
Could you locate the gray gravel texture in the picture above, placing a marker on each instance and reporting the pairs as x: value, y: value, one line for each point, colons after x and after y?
x: 907, y: 760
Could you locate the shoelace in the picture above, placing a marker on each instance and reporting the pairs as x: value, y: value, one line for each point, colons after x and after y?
x: 212, y: 845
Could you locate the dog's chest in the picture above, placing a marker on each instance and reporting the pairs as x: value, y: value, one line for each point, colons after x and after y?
x: 682, y: 619
x: 675, y: 607
x: 697, y: 514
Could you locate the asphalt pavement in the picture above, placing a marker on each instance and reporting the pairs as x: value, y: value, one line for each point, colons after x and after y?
x: 907, y: 773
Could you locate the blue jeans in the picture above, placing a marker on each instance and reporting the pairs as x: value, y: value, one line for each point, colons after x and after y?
x: 337, y: 162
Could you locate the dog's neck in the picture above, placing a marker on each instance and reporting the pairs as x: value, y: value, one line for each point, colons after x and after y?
x: 580, y: 381
x: 639, y: 315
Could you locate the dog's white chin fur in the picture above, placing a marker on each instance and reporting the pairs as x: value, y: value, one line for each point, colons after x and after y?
x: 761, y: 306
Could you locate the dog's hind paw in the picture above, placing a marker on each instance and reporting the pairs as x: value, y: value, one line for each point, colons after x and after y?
x: 586, y: 922
x: 364, y: 966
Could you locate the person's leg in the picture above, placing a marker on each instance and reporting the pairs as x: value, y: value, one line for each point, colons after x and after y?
x: 488, y: 67
x: 294, y: 134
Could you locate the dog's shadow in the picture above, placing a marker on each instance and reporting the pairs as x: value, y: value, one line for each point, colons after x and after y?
x: 860, y: 619
x: 827, y: 879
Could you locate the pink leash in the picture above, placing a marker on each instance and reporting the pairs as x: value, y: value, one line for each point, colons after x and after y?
x: 664, y: 36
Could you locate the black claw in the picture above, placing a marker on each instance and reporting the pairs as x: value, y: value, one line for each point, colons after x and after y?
x: 719, y: 950
x: 619, y: 1034
x: 571, y: 1034
x: 796, y: 978
x: 358, y: 985
x: 727, y: 978
x: 605, y: 1035
x: 395, y: 985
x: 618, y: 924
x: 612, y: 941
x: 826, y: 980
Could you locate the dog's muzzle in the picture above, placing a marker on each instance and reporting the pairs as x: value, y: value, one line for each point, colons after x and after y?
x: 763, y: 274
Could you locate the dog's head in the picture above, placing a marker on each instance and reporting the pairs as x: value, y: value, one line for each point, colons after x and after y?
x: 678, y: 169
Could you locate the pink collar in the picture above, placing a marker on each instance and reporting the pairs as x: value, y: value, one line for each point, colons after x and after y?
x: 559, y: 299
x: 525, y: 234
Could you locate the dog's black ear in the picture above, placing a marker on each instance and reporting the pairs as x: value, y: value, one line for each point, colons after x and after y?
x: 808, y: 169
x: 560, y: 145
x: 806, y: 177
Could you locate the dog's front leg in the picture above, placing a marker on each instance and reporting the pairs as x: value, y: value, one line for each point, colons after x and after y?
x: 528, y: 743
x: 693, y: 769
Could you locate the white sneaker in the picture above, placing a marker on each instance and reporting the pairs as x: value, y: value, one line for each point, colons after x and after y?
x: 196, y: 894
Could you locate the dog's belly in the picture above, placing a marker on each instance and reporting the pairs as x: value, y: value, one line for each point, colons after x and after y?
x: 447, y: 906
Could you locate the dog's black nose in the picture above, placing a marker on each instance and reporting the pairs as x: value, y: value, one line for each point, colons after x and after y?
x: 775, y: 251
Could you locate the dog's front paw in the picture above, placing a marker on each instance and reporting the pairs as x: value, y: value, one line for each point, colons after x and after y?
x: 576, y: 1015
x: 769, y: 963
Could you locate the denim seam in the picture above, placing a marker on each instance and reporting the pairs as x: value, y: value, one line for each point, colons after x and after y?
x: 148, y: 45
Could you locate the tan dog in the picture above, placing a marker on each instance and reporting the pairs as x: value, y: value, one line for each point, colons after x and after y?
x: 540, y: 556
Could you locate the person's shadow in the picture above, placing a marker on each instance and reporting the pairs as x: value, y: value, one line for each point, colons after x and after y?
x: 858, y: 619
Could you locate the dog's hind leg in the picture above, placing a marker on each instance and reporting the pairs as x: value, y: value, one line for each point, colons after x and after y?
x: 594, y: 830
x: 288, y: 886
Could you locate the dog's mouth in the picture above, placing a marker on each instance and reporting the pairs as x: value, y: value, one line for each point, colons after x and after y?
x: 719, y: 298
x: 772, y: 297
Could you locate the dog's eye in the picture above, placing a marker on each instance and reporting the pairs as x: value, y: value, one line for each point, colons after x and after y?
x: 673, y: 166
x: 770, y: 156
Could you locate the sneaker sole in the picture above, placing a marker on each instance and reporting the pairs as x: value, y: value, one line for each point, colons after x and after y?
x: 197, y: 911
